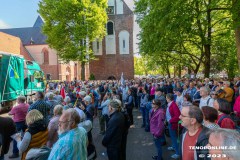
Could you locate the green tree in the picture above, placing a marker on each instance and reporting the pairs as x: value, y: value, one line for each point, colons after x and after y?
x: 188, y: 28
x: 70, y: 26
x: 236, y: 26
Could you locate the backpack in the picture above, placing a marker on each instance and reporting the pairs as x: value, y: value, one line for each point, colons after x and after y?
x: 234, y: 118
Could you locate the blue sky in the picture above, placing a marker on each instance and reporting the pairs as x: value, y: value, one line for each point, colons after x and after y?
x: 18, y: 13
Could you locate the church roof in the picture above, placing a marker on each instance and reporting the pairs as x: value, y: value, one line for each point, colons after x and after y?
x: 29, y: 35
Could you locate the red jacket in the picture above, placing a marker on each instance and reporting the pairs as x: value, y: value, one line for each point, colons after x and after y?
x: 175, y: 113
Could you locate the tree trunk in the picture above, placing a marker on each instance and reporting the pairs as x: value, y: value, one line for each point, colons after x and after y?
x: 168, y: 72
x: 174, y: 71
x: 82, y: 71
x: 179, y: 71
x: 207, y: 60
x: 237, y: 37
x: 207, y: 46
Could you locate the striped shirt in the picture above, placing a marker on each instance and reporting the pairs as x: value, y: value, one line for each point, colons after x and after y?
x: 71, y: 145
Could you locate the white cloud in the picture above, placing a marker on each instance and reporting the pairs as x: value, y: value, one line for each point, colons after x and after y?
x: 3, y: 25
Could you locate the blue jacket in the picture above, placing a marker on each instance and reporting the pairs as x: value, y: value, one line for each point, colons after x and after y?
x: 144, y: 100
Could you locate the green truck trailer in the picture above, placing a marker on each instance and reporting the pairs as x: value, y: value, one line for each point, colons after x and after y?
x: 18, y: 77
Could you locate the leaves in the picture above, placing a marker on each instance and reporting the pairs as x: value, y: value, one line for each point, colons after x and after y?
x: 186, y: 31
x: 71, y: 25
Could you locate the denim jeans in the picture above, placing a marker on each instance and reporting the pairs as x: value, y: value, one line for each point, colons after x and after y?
x: 148, y: 109
x: 158, y: 143
x: 143, y: 111
x: 173, y: 136
x: 21, y: 126
x: 1, y: 157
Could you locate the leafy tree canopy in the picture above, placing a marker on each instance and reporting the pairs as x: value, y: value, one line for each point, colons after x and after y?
x: 70, y: 25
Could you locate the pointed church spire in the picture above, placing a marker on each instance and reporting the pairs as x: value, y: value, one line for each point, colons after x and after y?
x: 39, y: 22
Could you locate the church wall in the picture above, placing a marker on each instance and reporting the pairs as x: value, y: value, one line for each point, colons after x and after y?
x: 108, y: 65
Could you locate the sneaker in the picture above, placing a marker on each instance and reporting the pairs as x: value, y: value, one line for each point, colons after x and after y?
x: 175, y: 156
x: 16, y: 155
x: 154, y: 157
x: 171, y: 149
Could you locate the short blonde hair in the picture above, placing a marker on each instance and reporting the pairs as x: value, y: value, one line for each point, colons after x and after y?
x: 33, y: 116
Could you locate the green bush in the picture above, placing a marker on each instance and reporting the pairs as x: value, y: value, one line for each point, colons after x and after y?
x: 92, y: 77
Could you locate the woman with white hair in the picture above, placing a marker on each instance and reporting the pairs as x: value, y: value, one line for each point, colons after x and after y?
x: 68, y: 103
x: 89, y: 109
x: 205, y: 100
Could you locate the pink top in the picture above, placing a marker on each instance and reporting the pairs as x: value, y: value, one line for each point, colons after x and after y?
x: 152, y: 91
x: 237, y: 106
x: 19, y: 112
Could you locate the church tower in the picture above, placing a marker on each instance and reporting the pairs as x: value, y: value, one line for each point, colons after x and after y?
x: 114, y: 53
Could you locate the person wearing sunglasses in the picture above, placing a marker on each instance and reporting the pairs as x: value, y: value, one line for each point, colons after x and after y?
x: 157, y: 118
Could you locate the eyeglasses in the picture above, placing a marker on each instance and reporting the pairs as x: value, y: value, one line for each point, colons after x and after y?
x: 184, y: 116
x: 153, y: 103
x: 60, y: 122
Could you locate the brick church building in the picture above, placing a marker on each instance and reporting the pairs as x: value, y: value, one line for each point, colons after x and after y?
x: 115, y: 51
x: 114, y: 54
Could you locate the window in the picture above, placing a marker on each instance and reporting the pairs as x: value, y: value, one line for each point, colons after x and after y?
x: 110, y: 28
x: 124, y: 42
x: 110, y: 10
x: 97, y: 46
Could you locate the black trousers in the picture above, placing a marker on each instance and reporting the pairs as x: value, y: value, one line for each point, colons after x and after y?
x: 113, y: 153
x: 129, y: 111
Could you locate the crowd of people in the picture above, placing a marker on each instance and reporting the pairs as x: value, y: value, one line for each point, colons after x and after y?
x: 57, y: 124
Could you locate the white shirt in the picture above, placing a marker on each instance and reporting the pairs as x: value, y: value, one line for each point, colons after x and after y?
x: 205, y: 102
x: 179, y: 101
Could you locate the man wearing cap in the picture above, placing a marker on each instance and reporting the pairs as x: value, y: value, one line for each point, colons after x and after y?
x: 113, y: 137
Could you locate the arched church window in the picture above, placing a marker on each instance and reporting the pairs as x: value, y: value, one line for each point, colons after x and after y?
x: 110, y: 30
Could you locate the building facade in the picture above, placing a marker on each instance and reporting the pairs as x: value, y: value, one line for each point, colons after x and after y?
x: 114, y: 53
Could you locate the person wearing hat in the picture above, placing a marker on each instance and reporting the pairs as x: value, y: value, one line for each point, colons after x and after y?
x: 112, y: 139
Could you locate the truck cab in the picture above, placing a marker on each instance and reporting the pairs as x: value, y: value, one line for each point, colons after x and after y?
x: 18, y: 77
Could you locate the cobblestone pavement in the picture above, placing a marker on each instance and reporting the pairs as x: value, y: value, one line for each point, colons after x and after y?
x: 140, y: 144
